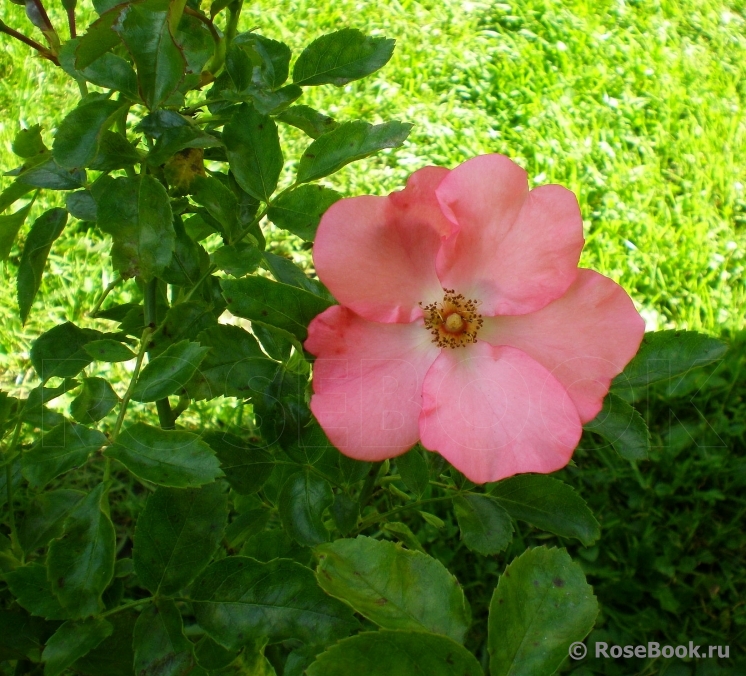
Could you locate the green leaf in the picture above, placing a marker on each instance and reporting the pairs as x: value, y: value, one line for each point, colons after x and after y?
x: 169, y: 372
x: 253, y: 661
x: 395, y: 653
x: 98, y: 40
x: 350, y: 141
x: 267, y: 102
x: 59, y: 352
x: 340, y: 57
x: 246, y: 525
x: 115, y: 152
x: 58, y: 451
x: 49, y: 174
x: 22, y: 636
x: 434, y: 521
x: 183, y: 321
x: 8, y: 560
x: 300, y: 210
x: 113, y: 656
x: 298, y: 660
x: 486, y: 527
x: 212, y: 655
x: 623, y: 427
x: 269, y: 544
x: 279, y: 305
x: 387, y: 584
x: 45, y: 230
x: 161, y: 649
x: 189, y: 260
x: 81, y: 205
x: 198, y: 228
x: 109, y: 71
x: 9, y: 227
x: 147, y: 29
x: 165, y: 457
x: 548, y: 504
x: 274, y: 342
x: 117, y: 313
x: 174, y: 139
x: 79, y: 135
x: 345, y: 512
x: 271, y: 58
x: 36, y: 413
x: 348, y: 470
x: 254, y: 153
x: 43, y: 418
x: 238, y: 597
x: 239, y: 67
x: 307, y: 447
x: 541, y: 605
x: 94, y: 402
x: 246, y: 466
x: 414, y: 471
x: 44, y: 517
x: 308, y: 120
x: 287, y: 272
x: 177, y: 535
x: 72, y: 641
x: 237, y: 259
x: 81, y: 562
x: 160, y: 123
x: 303, y: 499
x: 665, y: 354
x: 33, y: 591
x: 113, y: 72
x: 12, y: 194
x: 219, y: 201
x: 108, y: 350
x: 404, y: 534
x: 234, y: 367
x: 28, y: 142
x: 194, y: 39
x: 124, y: 568
x: 43, y: 395
x: 136, y: 212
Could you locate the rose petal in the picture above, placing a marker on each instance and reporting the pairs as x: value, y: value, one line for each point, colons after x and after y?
x: 367, y: 382
x: 377, y: 254
x: 493, y: 412
x: 513, y: 250
x: 584, y: 338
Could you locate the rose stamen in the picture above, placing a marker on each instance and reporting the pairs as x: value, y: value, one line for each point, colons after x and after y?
x: 454, y: 322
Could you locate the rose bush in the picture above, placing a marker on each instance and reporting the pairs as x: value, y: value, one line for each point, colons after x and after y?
x: 136, y: 541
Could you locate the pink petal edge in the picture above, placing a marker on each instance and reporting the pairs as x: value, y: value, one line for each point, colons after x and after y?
x: 377, y: 254
x: 493, y: 412
x: 513, y: 250
x: 584, y: 338
x: 368, y: 382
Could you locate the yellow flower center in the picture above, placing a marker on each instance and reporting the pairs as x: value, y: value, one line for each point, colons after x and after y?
x: 454, y: 322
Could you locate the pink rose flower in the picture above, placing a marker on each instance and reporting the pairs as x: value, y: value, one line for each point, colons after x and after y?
x: 464, y: 322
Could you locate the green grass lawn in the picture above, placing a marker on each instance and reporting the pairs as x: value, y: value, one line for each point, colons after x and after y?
x: 639, y: 107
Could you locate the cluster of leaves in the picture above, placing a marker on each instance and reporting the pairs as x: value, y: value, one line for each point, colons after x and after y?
x: 215, y: 572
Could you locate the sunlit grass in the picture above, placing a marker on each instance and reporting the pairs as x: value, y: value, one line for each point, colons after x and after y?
x: 637, y: 107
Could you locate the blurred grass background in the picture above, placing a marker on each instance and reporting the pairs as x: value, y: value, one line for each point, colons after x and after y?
x: 636, y: 106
